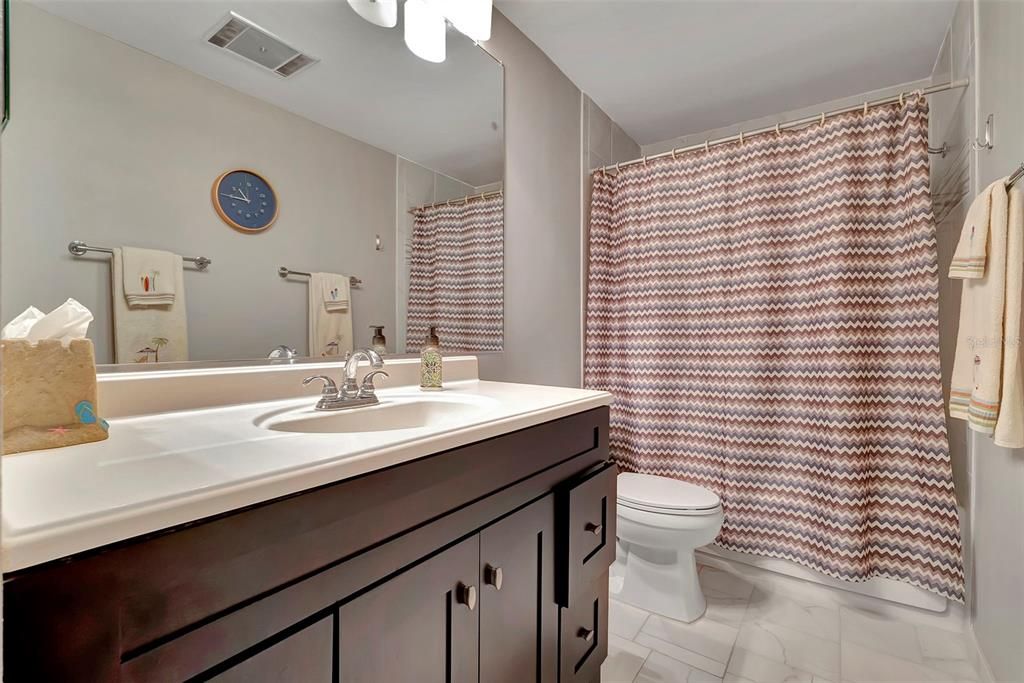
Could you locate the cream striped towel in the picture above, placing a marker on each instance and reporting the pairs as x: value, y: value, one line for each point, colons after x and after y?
x: 987, y: 383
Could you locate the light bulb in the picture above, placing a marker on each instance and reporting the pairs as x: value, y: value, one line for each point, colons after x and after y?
x: 380, y: 12
x: 424, y: 30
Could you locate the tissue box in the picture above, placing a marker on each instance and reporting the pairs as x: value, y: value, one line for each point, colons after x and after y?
x: 49, y: 395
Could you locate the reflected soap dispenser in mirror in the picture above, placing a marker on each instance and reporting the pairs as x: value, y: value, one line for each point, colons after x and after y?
x: 379, y: 343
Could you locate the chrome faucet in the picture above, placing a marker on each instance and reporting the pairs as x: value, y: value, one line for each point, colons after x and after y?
x: 351, y: 394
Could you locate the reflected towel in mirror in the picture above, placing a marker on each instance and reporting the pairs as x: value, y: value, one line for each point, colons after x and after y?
x: 148, y: 334
x: 330, y: 315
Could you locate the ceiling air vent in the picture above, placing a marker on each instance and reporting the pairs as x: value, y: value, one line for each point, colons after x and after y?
x: 247, y: 40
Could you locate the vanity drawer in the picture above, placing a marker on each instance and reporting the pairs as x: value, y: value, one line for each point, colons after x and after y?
x: 584, y: 634
x: 585, y: 530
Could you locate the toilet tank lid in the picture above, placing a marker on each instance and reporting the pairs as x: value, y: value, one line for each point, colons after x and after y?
x: 662, y: 492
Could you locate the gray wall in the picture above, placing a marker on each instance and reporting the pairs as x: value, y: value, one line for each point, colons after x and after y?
x: 110, y: 145
x: 542, y: 217
x: 998, y: 610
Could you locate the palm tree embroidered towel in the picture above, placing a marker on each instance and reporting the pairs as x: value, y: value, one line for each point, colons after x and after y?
x: 148, y: 334
x: 149, y: 278
x: 987, y: 384
x: 330, y: 324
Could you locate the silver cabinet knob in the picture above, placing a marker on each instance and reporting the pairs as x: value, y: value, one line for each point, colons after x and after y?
x: 492, y: 576
x: 586, y: 634
x: 466, y: 595
x: 595, y: 529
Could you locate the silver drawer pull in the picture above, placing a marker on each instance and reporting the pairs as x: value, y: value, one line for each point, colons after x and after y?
x: 493, y: 576
x: 466, y: 595
x: 595, y: 529
x: 586, y: 634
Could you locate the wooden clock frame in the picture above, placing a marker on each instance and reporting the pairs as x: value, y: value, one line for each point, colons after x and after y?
x: 226, y: 218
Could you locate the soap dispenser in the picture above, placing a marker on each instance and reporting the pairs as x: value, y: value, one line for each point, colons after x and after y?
x: 379, y: 343
x: 430, y: 362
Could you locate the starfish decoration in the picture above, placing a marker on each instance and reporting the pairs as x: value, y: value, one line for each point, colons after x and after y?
x: 59, y: 430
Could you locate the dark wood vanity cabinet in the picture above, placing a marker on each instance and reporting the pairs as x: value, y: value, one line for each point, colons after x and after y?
x: 484, y: 563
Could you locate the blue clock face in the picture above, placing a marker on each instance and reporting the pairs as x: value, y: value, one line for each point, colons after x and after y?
x: 245, y: 201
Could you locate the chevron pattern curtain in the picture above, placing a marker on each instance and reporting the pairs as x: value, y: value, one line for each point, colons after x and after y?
x: 766, y: 316
x: 456, y: 276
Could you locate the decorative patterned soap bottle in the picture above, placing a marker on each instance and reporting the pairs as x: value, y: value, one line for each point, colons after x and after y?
x: 430, y: 363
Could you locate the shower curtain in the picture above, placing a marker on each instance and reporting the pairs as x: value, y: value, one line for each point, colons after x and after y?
x: 455, y: 275
x: 766, y: 315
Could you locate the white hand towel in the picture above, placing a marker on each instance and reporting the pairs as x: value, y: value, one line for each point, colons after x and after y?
x: 149, y: 278
x: 978, y: 363
x: 148, y: 334
x: 330, y: 329
x: 335, y: 290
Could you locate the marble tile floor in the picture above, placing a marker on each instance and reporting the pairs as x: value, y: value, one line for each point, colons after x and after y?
x: 761, y: 627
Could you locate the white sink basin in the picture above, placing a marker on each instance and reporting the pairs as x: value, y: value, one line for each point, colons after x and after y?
x: 392, y: 413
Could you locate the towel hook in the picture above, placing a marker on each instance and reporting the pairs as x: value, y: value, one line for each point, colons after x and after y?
x: 979, y: 145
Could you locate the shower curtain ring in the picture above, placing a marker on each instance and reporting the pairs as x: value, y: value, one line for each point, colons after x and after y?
x: 822, y: 122
x: 645, y: 160
x: 673, y: 154
x: 865, y: 106
x: 901, y: 99
x: 741, y: 138
x: 707, y: 145
x: 778, y: 129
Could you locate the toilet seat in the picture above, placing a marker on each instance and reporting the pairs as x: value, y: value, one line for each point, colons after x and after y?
x: 661, y: 495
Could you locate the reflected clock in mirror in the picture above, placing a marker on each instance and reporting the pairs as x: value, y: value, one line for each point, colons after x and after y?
x: 245, y: 200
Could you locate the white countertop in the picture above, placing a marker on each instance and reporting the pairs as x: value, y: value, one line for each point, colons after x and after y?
x: 157, y: 471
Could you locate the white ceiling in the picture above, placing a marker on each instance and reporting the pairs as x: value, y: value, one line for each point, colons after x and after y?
x: 367, y: 85
x: 665, y: 68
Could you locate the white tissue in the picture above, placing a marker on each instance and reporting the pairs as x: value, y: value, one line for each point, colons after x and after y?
x: 68, y: 321
x: 19, y: 327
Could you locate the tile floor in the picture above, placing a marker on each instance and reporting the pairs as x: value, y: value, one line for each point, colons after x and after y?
x: 761, y: 627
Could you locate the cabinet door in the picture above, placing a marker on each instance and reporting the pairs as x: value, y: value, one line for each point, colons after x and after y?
x: 305, y: 656
x: 420, y: 626
x: 518, y: 613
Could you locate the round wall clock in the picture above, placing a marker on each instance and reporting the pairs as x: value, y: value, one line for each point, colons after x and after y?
x: 245, y: 200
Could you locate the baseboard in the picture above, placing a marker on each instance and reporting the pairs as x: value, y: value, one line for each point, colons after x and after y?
x: 977, y: 657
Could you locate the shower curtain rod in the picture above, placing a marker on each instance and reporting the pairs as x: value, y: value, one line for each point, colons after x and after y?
x: 786, y: 125
x: 463, y: 200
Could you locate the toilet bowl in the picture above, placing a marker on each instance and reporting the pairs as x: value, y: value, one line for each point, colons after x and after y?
x: 661, y: 522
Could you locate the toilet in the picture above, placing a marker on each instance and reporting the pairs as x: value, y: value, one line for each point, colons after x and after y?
x: 661, y: 522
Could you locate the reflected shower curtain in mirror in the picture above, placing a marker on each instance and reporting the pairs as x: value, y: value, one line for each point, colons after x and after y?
x: 455, y: 275
x: 766, y: 316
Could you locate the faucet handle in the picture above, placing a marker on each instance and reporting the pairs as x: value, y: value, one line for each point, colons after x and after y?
x: 367, y: 389
x: 330, y: 388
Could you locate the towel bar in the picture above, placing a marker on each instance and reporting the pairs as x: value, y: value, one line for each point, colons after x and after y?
x: 80, y: 248
x: 353, y: 281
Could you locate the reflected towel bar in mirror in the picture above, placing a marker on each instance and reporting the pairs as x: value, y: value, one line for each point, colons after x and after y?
x: 353, y: 281
x: 80, y: 248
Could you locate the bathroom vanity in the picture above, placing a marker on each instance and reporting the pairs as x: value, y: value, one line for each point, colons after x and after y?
x: 472, y: 549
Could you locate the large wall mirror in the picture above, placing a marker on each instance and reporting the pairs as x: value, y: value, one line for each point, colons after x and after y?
x: 261, y: 135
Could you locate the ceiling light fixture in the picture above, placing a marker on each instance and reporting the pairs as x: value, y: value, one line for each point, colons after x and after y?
x: 425, y: 30
x: 471, y: 17
x: 425, y: 21
x: 380, y: 12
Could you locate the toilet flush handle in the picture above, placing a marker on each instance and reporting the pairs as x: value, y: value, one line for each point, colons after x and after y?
x: 595, y: 529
